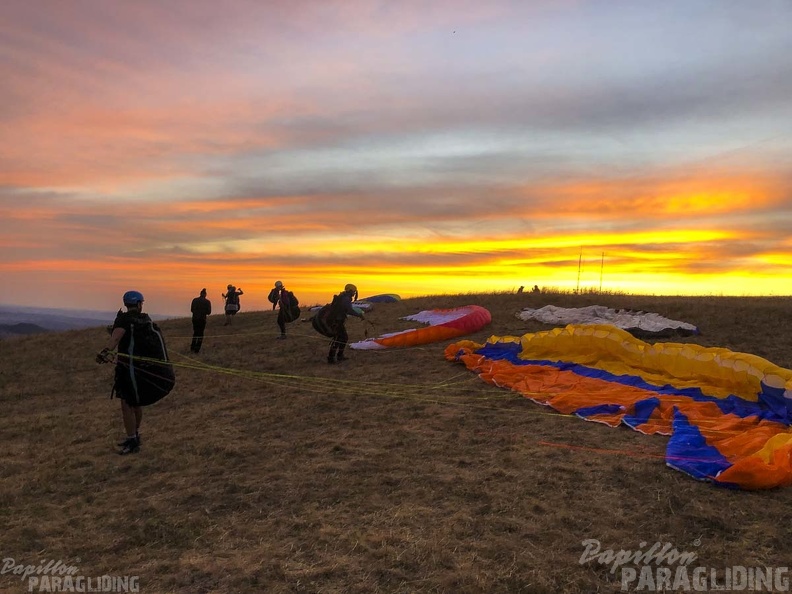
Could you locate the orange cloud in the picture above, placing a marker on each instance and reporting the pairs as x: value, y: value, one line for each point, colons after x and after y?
x: 680, y: 195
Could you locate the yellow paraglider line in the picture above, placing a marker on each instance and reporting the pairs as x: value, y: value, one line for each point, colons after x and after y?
x: 416, y: 392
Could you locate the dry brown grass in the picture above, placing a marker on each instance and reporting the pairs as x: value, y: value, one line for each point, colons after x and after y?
x: 270, y: 471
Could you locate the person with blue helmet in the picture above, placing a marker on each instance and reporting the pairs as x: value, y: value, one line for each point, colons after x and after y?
x: 120, y: 335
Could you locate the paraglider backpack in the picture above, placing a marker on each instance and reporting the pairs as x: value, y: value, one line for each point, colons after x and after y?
x: 143, y: 371
x: 232, y: 302
x: 326, y: 319
x: 290, y: 306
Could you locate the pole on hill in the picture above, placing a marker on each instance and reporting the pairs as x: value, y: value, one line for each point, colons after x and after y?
x: 602, y: 266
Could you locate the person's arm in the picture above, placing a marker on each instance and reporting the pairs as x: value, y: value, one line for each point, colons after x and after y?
x: 112, y: 344
x: 115, y: 338
x: 240, y: 292
x: 351, y: 309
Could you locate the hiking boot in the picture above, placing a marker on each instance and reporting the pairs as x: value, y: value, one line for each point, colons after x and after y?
x: 282, y: 337
x: 331, y: 360
x: 130, y: 446
x: 341, y: 357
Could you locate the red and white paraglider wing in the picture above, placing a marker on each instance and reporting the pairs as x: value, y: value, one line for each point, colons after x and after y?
x: 442, y: 324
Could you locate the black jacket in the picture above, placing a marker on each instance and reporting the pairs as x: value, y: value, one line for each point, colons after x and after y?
x: 342, y: 307
x: 201, y: 307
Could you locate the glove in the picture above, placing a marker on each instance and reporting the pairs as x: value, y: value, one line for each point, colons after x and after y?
x: 104, y: 356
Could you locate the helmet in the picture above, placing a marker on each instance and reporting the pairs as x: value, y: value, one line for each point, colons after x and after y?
x: 278, y: 285
x: 133, y: 298
x: 350, y: 288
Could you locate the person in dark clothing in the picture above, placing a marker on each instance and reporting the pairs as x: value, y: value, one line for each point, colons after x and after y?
x: 231, y: 303
x: 339, y: 310
x: 119, y: 340
x: 288, y: 306
x: 200, y: 308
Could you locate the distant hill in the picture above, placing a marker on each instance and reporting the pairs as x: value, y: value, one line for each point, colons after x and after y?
x: 17, y: 320
x: 21, y: 329
x: 53, y: 318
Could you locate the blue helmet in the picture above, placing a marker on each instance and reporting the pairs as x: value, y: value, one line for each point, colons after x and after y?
x: 132, y: 298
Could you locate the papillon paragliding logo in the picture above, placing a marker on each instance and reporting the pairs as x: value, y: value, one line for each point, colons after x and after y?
x: 50, y: 568
x: 57, y: 576
x: 662, y: 568
x: 657, y: 554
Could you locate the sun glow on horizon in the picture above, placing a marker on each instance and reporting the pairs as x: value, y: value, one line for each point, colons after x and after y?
x: 436, y: 163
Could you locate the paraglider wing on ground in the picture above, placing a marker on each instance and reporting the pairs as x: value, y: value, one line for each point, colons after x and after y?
x: 727, y: 413
x: 443, y: 324
x: 638, y: 323
x: 384, y: 298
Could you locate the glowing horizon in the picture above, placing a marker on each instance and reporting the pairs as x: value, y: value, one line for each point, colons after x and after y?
x: 410, y: 150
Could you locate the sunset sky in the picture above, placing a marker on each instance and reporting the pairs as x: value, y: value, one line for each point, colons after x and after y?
x: 409, y: 147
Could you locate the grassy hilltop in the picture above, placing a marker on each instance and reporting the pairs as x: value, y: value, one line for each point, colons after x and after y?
x: 267, y: 470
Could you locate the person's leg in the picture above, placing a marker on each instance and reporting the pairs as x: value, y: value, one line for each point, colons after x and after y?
x: 341, y: 338
x: 282, y: 323
x: 128, y: 416
x: 194, y: 343
x: 331, y: 356
x: 198, y: 329
x: 131, y: 415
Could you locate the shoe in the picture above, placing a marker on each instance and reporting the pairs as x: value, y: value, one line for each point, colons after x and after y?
x: 340, y: 357
x: 282, y: 337
x: 139, y: 439
x: 331, y: 360
x: 131, y: 446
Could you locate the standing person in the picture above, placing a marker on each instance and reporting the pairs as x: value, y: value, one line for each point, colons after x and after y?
x: 339, y: 310
x: 231, y: 303
x: 200, y: 308
x: 288, y: 304
x: 143, y: 374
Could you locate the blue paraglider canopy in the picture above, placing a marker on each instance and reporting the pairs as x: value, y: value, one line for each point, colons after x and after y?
x: 384, y: 298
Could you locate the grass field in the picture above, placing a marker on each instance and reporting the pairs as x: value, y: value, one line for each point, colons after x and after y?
x: 267, y: 470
